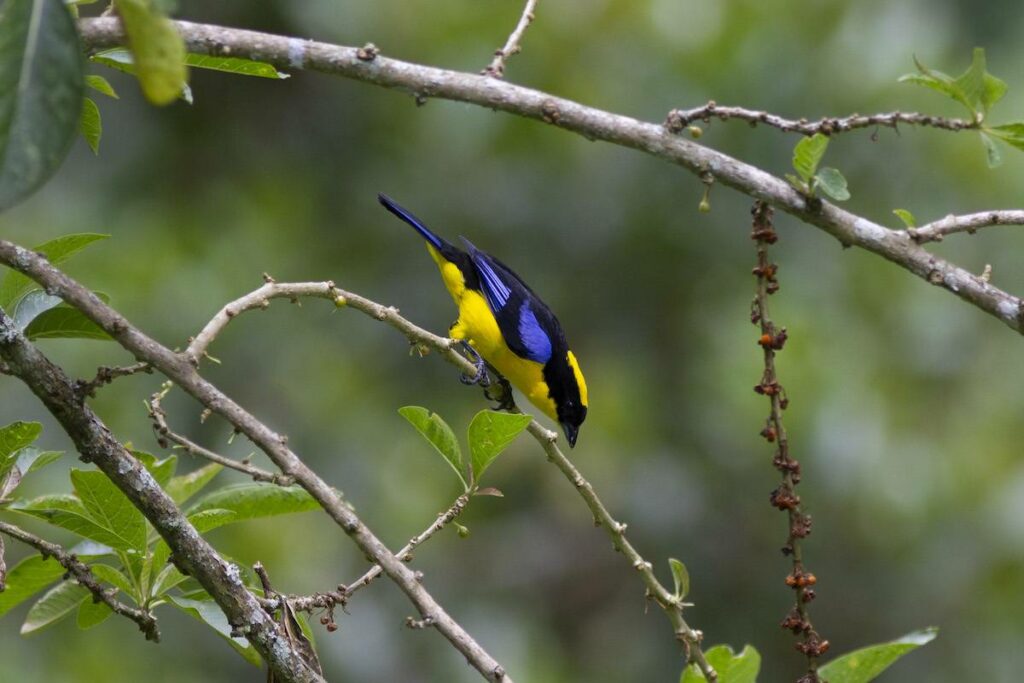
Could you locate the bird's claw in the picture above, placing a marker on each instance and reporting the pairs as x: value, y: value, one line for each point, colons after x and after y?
x: 480, y: 377
x: 504, y: 397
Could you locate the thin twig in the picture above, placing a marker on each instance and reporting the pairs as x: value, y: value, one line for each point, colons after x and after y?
x: 679, y: 119
x: 970, y: 223
x: 181, y: 369
x: 784, y: 497
x: 106, y: 374
x: 164, y: 434
x: 85, y: 578
x: 594, y: 124
x: 514, y: 43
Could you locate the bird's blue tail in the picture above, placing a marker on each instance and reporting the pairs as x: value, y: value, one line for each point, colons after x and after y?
x: 406, y: 216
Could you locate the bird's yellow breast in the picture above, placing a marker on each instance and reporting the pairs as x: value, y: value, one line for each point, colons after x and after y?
x: 476, y: 325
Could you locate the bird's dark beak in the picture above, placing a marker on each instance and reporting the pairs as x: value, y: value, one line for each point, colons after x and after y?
x: 571, y: 431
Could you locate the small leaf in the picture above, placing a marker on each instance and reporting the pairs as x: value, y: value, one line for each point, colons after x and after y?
x: 13, y: 438
x: 121, y: 59
x: 797, y: 184
x: 1010, y: 133
x: 184, y: 486
x: 67, y: 512
x: 235, y: 65
x: 980, y: 88
x: 253, y: 500
x: 938, y: 81
x: 90, y: 124
x: 489, y: 491
x: 680, y: 577
x: 31, y: 306
x: 92, y: 614
x: 41, y: 84
x: 64, y: 322
x: 490, y: 433
x: 865, y: 664
x: 57, y: 251
x: 101, y: 85
x: 808, y: 154
x: 210, y: 614
x: 436, y: 431
x: 57, y: 603
x: 992, y: 154
x: 115, y: 577
x: 730, y: 667
x: 28, y: 460
x: 832, y: 183
x: 907, y: 217
x: 158, y: 49
x: 27, y: 578
x: 162, y: 470
x: 110, y: 508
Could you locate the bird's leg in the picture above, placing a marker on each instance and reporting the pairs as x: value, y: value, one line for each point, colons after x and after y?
x: 504, y: 393
x: 481, y: 377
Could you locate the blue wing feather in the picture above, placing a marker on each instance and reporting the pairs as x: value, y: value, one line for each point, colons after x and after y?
x: 496, y: 291
x: 532, y: 335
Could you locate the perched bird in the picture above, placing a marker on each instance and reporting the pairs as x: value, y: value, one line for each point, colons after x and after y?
x: 505, y: 323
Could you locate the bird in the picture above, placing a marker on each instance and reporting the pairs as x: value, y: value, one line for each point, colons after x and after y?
x: 503, y: 322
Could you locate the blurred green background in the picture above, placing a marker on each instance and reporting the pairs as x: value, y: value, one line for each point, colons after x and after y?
x: 905, y: 403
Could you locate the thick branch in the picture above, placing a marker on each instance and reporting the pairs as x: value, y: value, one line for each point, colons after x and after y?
x: 96, y: 444
x: 678, y: 119
x: 513, y: 45
x: 84, y: 576
x: 970, y: 223
x: 181, y: 370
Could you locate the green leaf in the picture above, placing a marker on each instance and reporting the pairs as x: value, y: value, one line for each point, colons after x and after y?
x: 162, y: 470
x: 27, y: 578
x: 992, y: 155
x: 907, y: 217
x: 57, y: 251
x: 158, y: 50
x: 90, y: 124
x: 67, y: 512
x: 41, y: 84
x: 253, y: 500
x: 64, y: 322
x: 832, y: 183
x: 807, y: 155
x: 437, y: 432
x: 13, y: 438
x: 115, y: 577
x: 28, y: 460
x: 861, y: 666
x: 1010, y: 133
x: 490, y: 433
x: 31, y: 306
x: 184, y: 486
x: 110, y: 508
x: 730, y: 667
x: 101, y: 85
x: 938, y: 81
x: 680, y: 577
x: 980, y: 88
x: 235, y: 65
x: 92, y: 614
x: 57, y: 603
x: 210, y: 614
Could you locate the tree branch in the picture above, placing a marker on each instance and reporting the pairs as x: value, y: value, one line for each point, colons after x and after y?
x: 593, y: 124
x: 84, y: 576
x: 513, y: 45
x: 970, y: 223
x: 96, y: 444
x: 679, y: 119
x: 180, y: 368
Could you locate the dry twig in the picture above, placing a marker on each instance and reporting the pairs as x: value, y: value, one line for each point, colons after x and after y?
x: 514, y: 43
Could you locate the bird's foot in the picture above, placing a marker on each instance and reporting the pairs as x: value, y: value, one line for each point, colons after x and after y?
x: 503, y: 394
x: 480, y: 377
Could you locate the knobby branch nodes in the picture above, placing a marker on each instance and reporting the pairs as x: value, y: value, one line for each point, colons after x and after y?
x: 784, y: 497
x: 513, y: 45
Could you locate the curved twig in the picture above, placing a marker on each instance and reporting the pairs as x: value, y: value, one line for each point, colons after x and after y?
x: 513, y: 45
x: 969, y: 223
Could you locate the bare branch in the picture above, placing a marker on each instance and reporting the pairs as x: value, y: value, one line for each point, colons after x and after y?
x: 594, y: 124
x: 84, y: 576
x: 970, y: 223
x: 679, y: 119
x: 105, y: 375
x: 180, y: 368
x: 164, y: 434
x: 95, y: 443
x: 513, y: 45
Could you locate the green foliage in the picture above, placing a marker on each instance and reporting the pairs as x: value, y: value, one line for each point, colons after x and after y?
x: 158, y: 50
x: 680, y: 578
x: 90, y: 125
x: 439, y: 435
x: 101, y: 85
x: 57, y: 603
x: 183, y: 487
x: 18, y: 457
x: 866, y: 664
x: 730, y: 667
x: 41, y: 84
x: 235, y: 65
x: 255, y: 500
x: 109, y: 508
x: 210, y: 614
x: 807, y: 155
x: 27, y: 578
x: 92, y: 613
x: 907, y: 217
x: 57, y: 251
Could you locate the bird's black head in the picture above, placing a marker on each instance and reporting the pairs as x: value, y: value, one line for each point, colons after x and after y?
x: 569, y: 392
